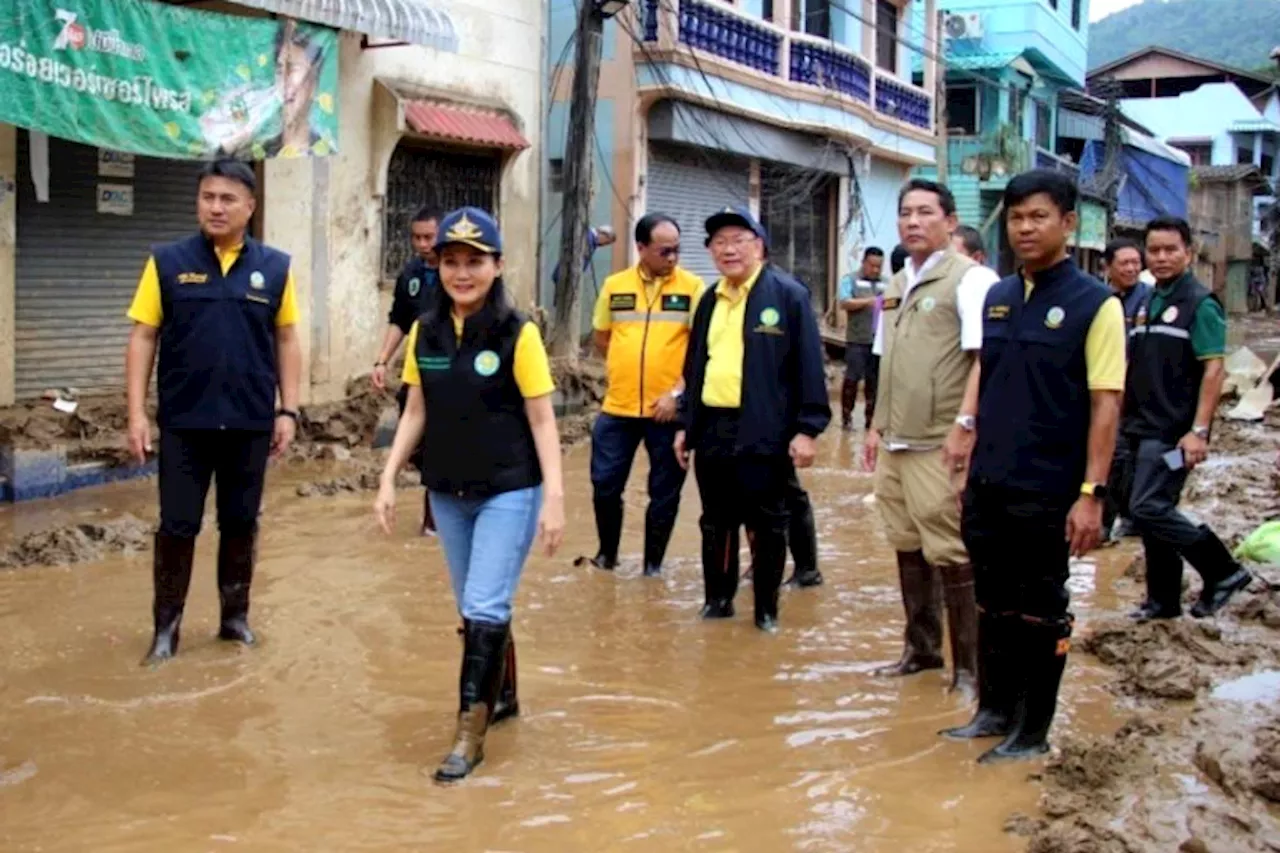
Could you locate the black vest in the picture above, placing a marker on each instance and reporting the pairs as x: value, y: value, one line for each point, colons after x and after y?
x: 1034, y: 406
x: 217, y: 367
x: 478, y: 442
x: 1163, y: 386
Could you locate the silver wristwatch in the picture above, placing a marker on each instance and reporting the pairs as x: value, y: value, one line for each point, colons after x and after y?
x: 1200, y: 432
x: 968, y: 423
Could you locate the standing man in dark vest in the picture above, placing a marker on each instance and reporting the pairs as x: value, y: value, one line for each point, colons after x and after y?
x: 858, y: 295
x: 1048, y: 400
x: 755, y: 403
x: 1175, y: 381
x: 222, y: 311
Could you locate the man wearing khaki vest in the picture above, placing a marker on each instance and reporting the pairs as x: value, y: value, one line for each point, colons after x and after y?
x: 927, y: 337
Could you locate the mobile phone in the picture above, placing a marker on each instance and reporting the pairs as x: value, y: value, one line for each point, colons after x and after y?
x: 1175, y: 459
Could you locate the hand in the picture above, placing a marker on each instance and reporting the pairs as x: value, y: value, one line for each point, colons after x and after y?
x: 664, y: 411
x: 282, y: 437
x: 870, y: 449
x: 551, y: 524
x: 1194, y: 449
x: 139, y: 438
x: 682, y: 455
x: 384, y: 506
x: 1084, y: 525
x: 379, y: 377
x: 803, y: 449
x: 957, y: 451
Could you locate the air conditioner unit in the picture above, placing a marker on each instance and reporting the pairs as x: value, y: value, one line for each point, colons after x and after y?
x: 962, y: 25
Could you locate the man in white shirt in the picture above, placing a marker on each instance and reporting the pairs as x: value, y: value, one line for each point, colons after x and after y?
x: 928, y: 336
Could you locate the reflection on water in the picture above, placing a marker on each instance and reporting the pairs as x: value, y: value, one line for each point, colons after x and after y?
x: 644, y: 729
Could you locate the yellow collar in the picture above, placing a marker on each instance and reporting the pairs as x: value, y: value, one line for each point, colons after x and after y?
x: 722, y: 287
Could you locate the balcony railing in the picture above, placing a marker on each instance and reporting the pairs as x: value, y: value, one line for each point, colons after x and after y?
x: 1048, y: 160
x: 723, y: 32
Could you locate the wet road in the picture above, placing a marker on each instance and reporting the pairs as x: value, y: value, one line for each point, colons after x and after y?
x: 643, y: 729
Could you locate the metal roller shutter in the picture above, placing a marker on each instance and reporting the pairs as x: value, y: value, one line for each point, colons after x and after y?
x: 689, y: 185
x: 77, y: 268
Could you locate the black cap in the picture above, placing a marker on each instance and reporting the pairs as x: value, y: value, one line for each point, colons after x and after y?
x: 739, y: 215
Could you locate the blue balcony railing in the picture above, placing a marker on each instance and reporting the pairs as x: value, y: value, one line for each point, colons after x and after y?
x: 830, y: 67
x: 650, y: 13
x: 729, y: 36
x: 903, y: 103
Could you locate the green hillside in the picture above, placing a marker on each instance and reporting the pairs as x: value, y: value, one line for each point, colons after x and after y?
x: 1235, y: 32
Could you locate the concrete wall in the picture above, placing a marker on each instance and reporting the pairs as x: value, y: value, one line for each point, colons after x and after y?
x: 8, y: 270
x: 328, y: 214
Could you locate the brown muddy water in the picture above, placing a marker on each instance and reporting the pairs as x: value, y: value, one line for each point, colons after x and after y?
x: 643, y: 729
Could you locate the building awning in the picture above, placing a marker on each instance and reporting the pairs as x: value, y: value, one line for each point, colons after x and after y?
x: 465, y: 124
x: 416, y: 21
x: 1254, y: 125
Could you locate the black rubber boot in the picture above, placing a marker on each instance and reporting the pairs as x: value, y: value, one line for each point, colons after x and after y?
x: 719, y: 571
x: 1164, y: 582
x: 609, y: 530
x: 802, y: 537
x: 994, y: 716
x: 921, y: 599
x: 848, y: 399
x: 508, y: 704
x: 171, y: 576
x: 767, y: 564
x: 657, y: 534
x: 1040, y: 650
x: 235, y: 575
x: 484, y: 653
x: 1223, y: 577
x: 962, y: 625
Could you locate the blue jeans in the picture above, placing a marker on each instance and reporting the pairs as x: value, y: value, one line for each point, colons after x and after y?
x: 486, y: 541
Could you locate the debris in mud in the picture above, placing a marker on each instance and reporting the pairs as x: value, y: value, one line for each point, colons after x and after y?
x: 95, y: 431
x: 349, y: 421
x: 1023, y: 825
x: 78, y: 543
x: 363, y: 481
x: 1163, y: 658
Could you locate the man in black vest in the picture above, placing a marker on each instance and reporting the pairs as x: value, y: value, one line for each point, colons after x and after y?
x: 1047, y: 400
x: 755, y: 401
x: 1175, y: 380
x: 222, y: 310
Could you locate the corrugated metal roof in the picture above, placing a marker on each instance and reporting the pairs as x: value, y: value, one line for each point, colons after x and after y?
x: 979, y: 61
x: 1254, y: 125
x: 417, y: 21
x: 1238, y: 172
x: 472, y: 125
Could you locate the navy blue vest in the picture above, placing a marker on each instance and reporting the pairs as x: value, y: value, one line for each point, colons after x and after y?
x: 1034, y: 406
x: 217, y: 345
x: 478, y: 442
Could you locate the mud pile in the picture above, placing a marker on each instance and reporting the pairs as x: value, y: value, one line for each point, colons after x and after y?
x: 78, y: 543
x: 350, y: 421
x: 95, y: 431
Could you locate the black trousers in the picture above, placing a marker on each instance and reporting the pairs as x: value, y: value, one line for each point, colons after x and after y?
x: 191, y: 459
x: 1119, y: 486
x: 1017, y: 543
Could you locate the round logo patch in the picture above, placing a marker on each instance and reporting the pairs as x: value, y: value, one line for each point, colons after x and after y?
x: 414, y: 286
x: 1055, y: 317
x: 487, y: 362
x: 256, y: 280
x: 770, y: 317
x: 1170, y: 314
x: 928, y: 303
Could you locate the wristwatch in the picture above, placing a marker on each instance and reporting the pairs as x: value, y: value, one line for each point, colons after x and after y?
x: 677, y: 393
x: 1200, y: 432
x: 968, y: 423
x: 1095, y: 490
x: 379, y: 364
x: 288, y: 413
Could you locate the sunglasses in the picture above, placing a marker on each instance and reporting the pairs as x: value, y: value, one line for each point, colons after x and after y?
x: 669, y: 251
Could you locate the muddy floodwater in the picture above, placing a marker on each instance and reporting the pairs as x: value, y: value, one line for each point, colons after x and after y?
x: 643, y: 728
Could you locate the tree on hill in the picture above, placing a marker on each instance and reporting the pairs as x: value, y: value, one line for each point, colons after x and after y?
x: 1241, y: 33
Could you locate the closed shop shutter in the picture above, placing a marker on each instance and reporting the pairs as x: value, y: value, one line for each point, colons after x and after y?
x: 77, y: 269
x: 689, y: 185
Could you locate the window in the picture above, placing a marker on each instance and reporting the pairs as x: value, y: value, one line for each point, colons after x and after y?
x: 766, y: 10
x: 1201, y: 155
x: 1244, y: 156
x: 1075, y: 14
x: 962, y: 110
x: 1017, y: 107
x: 1053, y: 3
x: 812, y: 17
x: 887, y: 35
x: 1044, y: 126
x: 1268, y: 164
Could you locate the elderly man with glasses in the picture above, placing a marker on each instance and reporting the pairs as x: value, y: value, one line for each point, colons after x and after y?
x: 642, y: 320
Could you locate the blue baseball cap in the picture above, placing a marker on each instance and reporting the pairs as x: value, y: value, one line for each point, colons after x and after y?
x: 472, y: 227
x: 739, y: 215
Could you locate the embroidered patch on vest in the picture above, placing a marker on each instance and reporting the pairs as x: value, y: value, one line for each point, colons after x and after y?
x: 998, y: 312
x: 622, y: 302
x: 261, y: 300
x: 192, y: 278
x: 1170, y: 314
x: 928, y: 304
x: 434, y: 362
x: 770, y: 317
x: 414, y: 286
x: 891, y: 304
x: 257, y: 281
x: 487, y: 362
x: 1054, y: 318
x: 676, y: 302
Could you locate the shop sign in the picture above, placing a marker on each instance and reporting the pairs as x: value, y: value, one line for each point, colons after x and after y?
x: 167, y: 81
x: 114, y: 164
x: 1092, y: 231
x: 116, y: 199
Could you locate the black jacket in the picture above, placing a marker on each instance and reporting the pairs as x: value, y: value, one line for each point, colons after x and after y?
x: 784, y: 385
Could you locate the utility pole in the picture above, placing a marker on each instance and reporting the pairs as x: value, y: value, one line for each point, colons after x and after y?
x: 564, y: 334
x: 940, y: 101
x: 1114, y: 142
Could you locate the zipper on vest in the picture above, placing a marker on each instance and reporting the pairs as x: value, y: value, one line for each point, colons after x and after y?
x: 644, y: 339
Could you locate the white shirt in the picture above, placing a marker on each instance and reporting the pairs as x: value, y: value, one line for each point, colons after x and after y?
x: 971, y: 296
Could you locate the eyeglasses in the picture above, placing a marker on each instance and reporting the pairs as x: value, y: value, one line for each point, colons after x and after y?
x: 669, y: 252
x: 727, y: 242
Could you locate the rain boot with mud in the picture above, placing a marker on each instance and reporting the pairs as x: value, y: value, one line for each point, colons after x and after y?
x: 767, y: 563
x: 1223, y: 577
x: 483, y: 655
x: 657, y: 535
x: 1164, y: 582
x: 235, y: 576
x: 920, y: 599
x: 1040, y: 654
x: 508, y: 703
x: 962, y: 626
x: 848, y: 399
x: 802, y: 537
x: 719, y: 571
x: 995, y: 712
x: 609, y: 530
x: 171, y: 571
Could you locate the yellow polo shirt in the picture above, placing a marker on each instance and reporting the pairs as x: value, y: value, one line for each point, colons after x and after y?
x: 532, y: 368
x: 1104, y: 346
x: 146, y: 308
x: 722, y: 384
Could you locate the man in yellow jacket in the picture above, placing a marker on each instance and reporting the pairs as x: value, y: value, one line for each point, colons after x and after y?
x: 641, y: 321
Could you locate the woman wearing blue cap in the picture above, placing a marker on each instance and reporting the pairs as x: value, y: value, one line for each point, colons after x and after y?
x: 480, y: 389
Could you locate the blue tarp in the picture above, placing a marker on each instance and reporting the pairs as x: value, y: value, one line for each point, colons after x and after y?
x: 1153, y: 185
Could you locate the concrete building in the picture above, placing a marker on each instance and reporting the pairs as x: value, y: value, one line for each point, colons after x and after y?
x: 437, y: 105
x: 804, y: 109
x: 1007, y: 64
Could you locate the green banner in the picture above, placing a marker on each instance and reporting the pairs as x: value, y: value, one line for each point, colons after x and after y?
x: 168, y: 81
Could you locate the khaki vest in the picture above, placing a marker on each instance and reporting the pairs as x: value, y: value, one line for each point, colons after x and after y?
x: 923, y: 370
